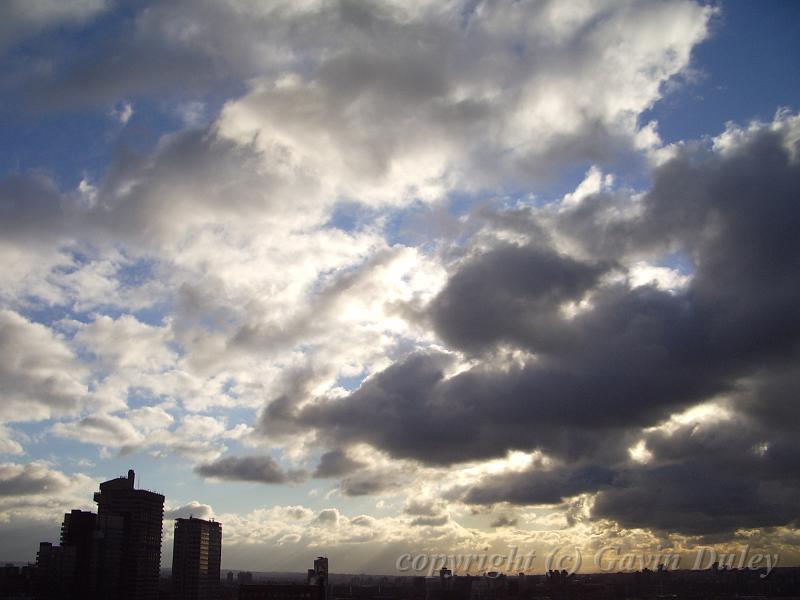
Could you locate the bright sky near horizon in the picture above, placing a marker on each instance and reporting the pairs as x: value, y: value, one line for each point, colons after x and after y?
x: 370, y: 277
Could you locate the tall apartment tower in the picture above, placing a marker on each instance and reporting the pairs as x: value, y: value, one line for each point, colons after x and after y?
x: 78, y: 531
x: 132, y: 520
x: 55, y: 571
x: 320, y: 576
x: 196, y: 559
x: 321, y: 570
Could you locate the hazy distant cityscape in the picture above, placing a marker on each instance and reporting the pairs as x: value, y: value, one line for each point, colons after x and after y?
x: 116, y: 554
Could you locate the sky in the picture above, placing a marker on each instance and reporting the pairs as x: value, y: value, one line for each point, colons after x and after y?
x: 368, y: 278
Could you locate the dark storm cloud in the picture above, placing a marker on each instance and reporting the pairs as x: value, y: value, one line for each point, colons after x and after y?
x: 697, y: 499
x: 336, y: 463
x: 728, y: 471
x: 629, y: 360
x: 616, y: 369
x: 511, y: 294
x: 263, y: 469
x: 776, y: 389
x: 542, y: 487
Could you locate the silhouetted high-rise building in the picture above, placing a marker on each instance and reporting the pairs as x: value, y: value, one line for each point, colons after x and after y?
x: 196, y: 559
x: 107, y: 556
x: 78, y: 532
x: 320, y: 570
x: 134, y: 574
x: 320, y: 578
x: 55, y: 571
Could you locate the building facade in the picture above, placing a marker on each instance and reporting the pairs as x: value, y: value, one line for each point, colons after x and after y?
x: 131, y: 520
x: 196, y: 559
x: 78, y: 531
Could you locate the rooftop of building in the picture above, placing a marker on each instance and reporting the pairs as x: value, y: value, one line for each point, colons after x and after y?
x: 124, y: 483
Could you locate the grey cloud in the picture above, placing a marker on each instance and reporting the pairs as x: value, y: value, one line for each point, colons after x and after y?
x: 617, y: 373
x: 430, y: 521
x: 697, y: 499
x: 504, y: 521
x: 40, y: 375
x: 263, y: 469
x: 770, y: 399
x: 102, y: 429
x: 149, y: 201
x: 425, y: 508
x: 336, y: 463
x: 363, y: 521
x: 540, y: 487
x: 8, y: 445
x: 367, y: 482
x: 30, y: 479
x: 747, y: 470
x: 298, y: 512
x: 511, y: 294
x: 327, y: 516
x: 192, y: 179
x: 33, y: 209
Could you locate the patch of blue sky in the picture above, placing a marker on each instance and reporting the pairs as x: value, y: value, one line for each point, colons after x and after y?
x: 135, y: 271
x: 40, y: 444
x: 69, y: 146
x: 53, y: 315
x: 139, y: 397
x: 66, y: 148
x: 229, y: 387
x: 414, y: 225
x: 50, y: 315
x: 75, y: 134
x: 746, y: 70
x: 232, y: 415
x: 351, y: 382
x: 37, y: 133
x: 155, y: 315
x: 679, y: 261
x: 128, y: 276
x: 351, y: 216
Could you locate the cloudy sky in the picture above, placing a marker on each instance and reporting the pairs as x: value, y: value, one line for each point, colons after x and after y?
x: 363, y: 278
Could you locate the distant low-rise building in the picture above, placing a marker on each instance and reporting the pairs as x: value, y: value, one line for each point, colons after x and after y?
x: 281, y: 591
